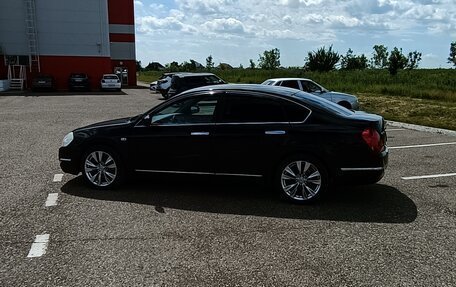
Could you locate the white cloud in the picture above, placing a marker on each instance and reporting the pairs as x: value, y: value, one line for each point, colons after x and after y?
x: 225, y: 25
x: 269, y: 23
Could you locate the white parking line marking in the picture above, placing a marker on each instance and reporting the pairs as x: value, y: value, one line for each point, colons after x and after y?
x: 421, y: 145
x: 39, y: 246
x: 57, y: 177
x: 52, y: 199
x: 393, y: 130
x: 429, y: 176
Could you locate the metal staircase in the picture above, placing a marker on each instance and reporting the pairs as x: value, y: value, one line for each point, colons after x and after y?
x: 16, y: 76
x: 30, y: 23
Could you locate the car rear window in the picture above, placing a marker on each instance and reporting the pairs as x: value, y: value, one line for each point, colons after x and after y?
x: 111, y: 77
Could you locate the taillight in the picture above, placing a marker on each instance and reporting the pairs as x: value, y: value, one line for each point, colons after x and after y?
x: 103, y: 81
x: 118, y: 81
x: 373, y: 140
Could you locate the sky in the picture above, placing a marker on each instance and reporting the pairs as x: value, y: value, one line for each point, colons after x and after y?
x: 235, y: 31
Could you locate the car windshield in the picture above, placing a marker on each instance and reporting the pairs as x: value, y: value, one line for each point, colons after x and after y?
x: 111, y: 77
x: 268, y: 82
x: 324, y: 104
x: 213, y: 80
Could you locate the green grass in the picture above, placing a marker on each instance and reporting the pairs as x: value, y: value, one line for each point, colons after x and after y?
x: 424, y: 96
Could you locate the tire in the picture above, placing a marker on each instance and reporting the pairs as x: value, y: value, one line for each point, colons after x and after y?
x: 301, y: 179
x: 102, y: 168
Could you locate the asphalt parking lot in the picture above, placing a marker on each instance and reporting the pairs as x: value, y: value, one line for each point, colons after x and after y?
x: 161, y: 231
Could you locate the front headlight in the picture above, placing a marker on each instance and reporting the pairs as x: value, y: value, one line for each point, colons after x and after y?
x: 67, y: 139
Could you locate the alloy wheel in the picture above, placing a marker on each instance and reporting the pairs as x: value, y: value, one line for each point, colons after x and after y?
x: 100, y: 168
x: 301, y: 180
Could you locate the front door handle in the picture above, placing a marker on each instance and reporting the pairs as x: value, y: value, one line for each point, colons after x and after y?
x: 199, y: 133
x: 275, y: 132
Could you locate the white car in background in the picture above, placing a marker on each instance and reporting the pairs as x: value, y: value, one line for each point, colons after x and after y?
x: 153, y: 86
x: 348, y: 101
x: 110, y: 81
x: 164, y: 83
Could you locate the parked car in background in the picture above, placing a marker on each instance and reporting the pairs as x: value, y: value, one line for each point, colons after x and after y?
x: 164, y: 82
x: 78, y: 81
x: 298, y: 142
x: 181, y: 82
x: 43, y: 82
x: 110, y: 81
x: 309, y: 86
x: 153, y: 86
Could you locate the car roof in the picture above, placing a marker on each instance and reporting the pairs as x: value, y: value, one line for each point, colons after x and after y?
x: 183, y: 75
x: 110, y: 75
x: 280, y: 91
x: 288, y: 79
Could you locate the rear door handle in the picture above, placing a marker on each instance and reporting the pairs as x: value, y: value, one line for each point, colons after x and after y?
x: 275, y: 132
x: 199, y: 133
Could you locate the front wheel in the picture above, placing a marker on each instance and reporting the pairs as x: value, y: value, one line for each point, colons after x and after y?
x: 102, y: 168
x: 301, y: 179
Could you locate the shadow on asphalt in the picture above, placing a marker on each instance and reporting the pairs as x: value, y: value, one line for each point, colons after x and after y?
x: 370, y: 203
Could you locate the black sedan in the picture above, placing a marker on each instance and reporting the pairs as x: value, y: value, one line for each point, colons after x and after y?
x: 297, y: 140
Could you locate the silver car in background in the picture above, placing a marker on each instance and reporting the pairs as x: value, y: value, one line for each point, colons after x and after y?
x: 309, y: 86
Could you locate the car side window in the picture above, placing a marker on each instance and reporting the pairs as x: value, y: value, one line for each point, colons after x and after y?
x: 310, y: 87
x: 295, y: 112
x: 291, y: 84
x: 251, y: 109
x: 195, y: 110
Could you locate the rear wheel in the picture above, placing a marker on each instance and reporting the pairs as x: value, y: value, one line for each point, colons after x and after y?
x: 102, y: 168
x: 345, y: 105
x: 301, y: 179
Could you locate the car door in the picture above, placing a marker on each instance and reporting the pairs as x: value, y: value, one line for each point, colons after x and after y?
x: 294, y: 84
x: 311, y: 87
x: 176, y: 138
x: 251, y: 133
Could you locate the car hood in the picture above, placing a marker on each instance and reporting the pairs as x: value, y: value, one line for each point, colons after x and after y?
x: 110, y: 123
x: 337, y: 94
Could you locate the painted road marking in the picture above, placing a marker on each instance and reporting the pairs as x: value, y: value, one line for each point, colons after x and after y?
x: 393, y: 130
x: 39, y: 246
x: 429, y: 176
x: 57, y: 177
x: 52, y: 199
x: 421, y: 145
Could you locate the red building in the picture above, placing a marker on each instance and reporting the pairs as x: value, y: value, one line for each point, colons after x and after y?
x: 60, y: 37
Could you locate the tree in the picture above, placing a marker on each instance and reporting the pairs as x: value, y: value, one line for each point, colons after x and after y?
x: 351, y: 62
x: 252, y: 64
x: 172, y: 67
x: 138, y: 66
x: 380, y: 57
x: 270, y: 60
x: 452, y: 57
x: 322, y: 60
x: 413, y: 60
x: 209, y: 63
x: 397, y: 61
x: 190, y: 66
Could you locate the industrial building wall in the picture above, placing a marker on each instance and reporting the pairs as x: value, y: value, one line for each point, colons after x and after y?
x: 76, y: 28
x: 83, y: 36
x: 13, y: 40
x: 64, y: 27
x: 122, y: 36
